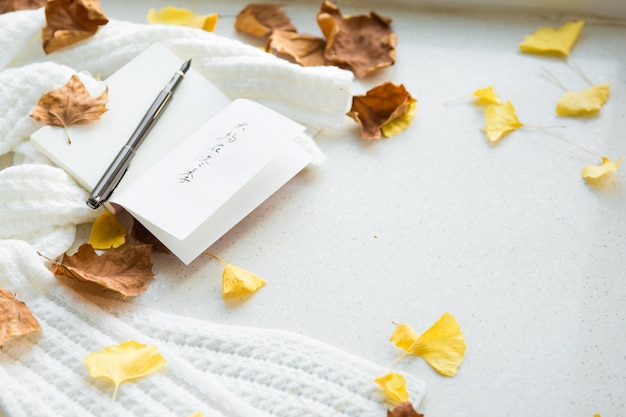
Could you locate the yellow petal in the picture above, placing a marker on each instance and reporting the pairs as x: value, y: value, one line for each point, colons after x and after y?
x: 404, y: 336
x: 126, y: 361
x: 485, y: 95
x: 182, y: 17
x: 442, y: 346
x: 237, y: 282
x: 394, y: 385
x: 500, y: 119
x: 592, y: 172
x: 583, y: 102
x: 553, y: 41
x: 107, y: 232
x: 400, y: 123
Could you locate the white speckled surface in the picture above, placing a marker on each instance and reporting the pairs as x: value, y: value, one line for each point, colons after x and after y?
x: 509, y: 238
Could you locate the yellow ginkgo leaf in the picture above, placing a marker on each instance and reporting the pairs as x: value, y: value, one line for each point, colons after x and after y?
x: 442, y: 346
x: 237, y: 282
x: 500, y: 119
x: 197, y: 414
x: 592, y: 172
x: 400, y: 123
x: 124, y: 362
x: 580, y: 103
x: 107, y: 232
x: 182, y: 17
x: 394, y: 386
x: 552, y: 41
x: 485, y: 96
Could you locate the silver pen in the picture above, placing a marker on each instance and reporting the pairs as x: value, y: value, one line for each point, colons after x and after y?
x: 114, y: 173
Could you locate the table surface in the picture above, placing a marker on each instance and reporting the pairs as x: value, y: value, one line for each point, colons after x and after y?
x: 508, y: 238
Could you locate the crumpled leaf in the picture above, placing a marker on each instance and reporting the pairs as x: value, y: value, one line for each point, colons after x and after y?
x: 238, y: 282
x: 171, y: 15
x: 551, y: 41
x: 593, y: 172
x: 70, y: 21
x: 7, y: 6
x: 442, y: 346
x: 584, y: 102
x: 381, y: 106
x: 126, y: 361
x: 260, y: 19
x: 500, y: 119
x: 404, y: 409
x: 394, y: 385
x: 364, y: 43
x: 306, y: 50
x: 107, y: 232
x: 69, y: 105
x: 486, y: 96
x: 16, y: 318
x: 125, y: 271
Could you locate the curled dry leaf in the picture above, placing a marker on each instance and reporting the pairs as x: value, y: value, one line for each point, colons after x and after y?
x: 260, y: 19
x: 394, y: 385
x: 364, y: 43
x: 70, y: 21
x: 69, y: 105
x: 594, y: 172
x: 306, y: 50
x: 7, y: 6
x: 404, y: 409
x: 380, y: 106
x: 125, y: 271
x: 15, y: 317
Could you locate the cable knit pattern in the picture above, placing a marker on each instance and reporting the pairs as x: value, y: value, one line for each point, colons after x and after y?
x: 222, y: 371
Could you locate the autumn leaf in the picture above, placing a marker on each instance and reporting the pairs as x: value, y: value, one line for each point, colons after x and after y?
x: 500, y: 119
x: 182, y: 17
x: 260, y: 19
x: 551, y: 41
x: 70, y: 21
x: 306, y: 50
x: 594, y: 172
x: 126, y: 361
x: 380, y: 107
x: 7, y: 6
x: 583, y: 102
x: 442, y: 346
x: 107, y: 232
x: 238, y: 282
x: 394, y: 385
x: 69, y: 105
x: 15, y: 317
x: 485, y: 96
x: 404, y: 409
x: 125, y: 271
x: 364, y: 43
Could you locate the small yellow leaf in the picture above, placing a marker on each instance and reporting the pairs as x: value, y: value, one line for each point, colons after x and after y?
x: 197, y: 414
x: 583, y: 102
x: 124, y: 362
x: 237, y: 282
x: 485, y: 95
x: 442, y: 346
x: 592, y: 172
x: 394, y: 386
x: 552, y: 41
x: 400, y: 123
x: 182, y: 17
x: 107, y: 232
x: 500, y: 119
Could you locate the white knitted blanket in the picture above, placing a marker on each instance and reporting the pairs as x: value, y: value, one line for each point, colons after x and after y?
x: 218, y: 370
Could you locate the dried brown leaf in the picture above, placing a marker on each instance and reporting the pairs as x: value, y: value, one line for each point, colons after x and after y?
x: 379, y: 106
x: 7, y: 6
x: 15, y: 317
x: 125, y: 271
x: 260, y: 19
x: 364, y: 43
x: 70, y: 104
x: 306, y: 50
x: 404, y: 409
x: 70, y: 21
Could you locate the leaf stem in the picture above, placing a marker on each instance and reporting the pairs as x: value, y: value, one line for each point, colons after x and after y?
x: 544, y: 129
x: 212, y: 255
x: 552, y: 78
x: 579, y: 71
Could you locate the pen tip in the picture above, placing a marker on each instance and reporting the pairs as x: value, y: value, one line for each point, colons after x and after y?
x: 185, y: 66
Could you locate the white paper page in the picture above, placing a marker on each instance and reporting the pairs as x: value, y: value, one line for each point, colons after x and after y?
x: 181, y: 191
x: 132, y: 90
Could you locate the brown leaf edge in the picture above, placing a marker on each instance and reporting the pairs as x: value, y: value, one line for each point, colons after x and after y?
x: 16, y: 319
x: 404, y: 409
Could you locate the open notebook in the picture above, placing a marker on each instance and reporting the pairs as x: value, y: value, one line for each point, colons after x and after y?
x: 205, y: 165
